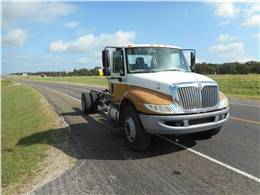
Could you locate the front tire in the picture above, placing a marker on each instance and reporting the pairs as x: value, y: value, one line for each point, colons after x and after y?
x: 136, y: 136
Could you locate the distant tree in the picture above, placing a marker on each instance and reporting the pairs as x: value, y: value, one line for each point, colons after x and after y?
x: 228, y: 68
x: 242, y: 69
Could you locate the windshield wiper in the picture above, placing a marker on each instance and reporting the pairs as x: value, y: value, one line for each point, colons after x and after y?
x: 145, y: 71
x: 171, y: 70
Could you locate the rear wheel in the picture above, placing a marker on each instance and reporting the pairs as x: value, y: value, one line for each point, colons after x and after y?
x: 136, y: 136
x: 89, y: 103
x: 86, y: 103
x: 94, y: 102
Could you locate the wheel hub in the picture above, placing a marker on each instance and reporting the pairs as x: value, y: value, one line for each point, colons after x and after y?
x: 130, y: 129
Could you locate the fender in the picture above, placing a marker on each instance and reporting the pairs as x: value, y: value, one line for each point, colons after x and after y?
x: 139, y: 95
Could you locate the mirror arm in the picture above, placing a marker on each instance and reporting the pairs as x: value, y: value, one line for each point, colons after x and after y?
x: 193, y: 58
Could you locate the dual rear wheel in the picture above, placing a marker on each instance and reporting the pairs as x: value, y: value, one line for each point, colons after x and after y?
x: 89, y: 103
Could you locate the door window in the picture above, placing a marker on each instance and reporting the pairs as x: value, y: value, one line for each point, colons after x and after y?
x: 118, y: 62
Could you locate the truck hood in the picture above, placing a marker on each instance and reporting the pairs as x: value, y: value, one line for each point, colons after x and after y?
x: 161, y: 81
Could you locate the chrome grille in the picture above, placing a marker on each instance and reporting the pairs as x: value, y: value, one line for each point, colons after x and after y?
x: 191, y: 97
x: 209, y: 96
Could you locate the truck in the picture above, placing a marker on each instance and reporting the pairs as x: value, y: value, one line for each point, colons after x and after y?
x: 153, y: 89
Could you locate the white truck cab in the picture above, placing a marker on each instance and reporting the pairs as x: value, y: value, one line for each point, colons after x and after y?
x: 152, y: 89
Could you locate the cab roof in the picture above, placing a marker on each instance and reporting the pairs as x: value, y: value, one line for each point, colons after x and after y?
x: 152, y: 45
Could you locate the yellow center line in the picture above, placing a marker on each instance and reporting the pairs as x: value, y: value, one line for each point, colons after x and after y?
x: 245, y: 120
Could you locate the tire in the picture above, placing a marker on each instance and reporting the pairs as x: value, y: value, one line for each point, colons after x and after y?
x: 94, y: 103
x: 86, y: 103
x: 136, y: 136
x: 208, y: 134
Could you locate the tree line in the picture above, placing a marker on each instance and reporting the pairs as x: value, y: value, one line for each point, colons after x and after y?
x: 75, y: 72
x: 252, y: 67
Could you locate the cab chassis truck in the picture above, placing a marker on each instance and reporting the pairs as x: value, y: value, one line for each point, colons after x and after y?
x: 152, y: 89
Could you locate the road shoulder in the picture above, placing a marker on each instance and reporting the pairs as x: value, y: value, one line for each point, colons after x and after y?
x: 53, y: 162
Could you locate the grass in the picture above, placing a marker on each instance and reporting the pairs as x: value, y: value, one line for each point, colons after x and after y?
x: 242, y: 86
x: 88, y: 80
x: 24, y: 113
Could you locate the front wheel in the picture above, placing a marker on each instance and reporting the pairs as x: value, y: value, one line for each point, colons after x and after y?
x: 136, y: 136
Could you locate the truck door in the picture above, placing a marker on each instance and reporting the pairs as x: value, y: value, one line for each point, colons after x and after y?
x: 117, y: 79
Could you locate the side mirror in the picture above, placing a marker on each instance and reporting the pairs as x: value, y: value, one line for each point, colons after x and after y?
x: 192, y: 61
x: 105, y: 62
x: 105, y: 58
x: 192, y: 57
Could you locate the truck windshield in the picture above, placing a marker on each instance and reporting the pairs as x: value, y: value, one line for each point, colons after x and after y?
x: 150, y: 59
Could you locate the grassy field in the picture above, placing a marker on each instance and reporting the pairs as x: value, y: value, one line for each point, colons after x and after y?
x: 243, y: 86
x: 24, y: 113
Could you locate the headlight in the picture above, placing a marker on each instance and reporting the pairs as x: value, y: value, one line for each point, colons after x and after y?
x: 165, y: 109
x: 223, y: 103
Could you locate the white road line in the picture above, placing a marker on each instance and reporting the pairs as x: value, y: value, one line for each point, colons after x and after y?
x: 62, y: 93
x: 189, y: 149
x: 213, y: 160
x: 245, y: 120
x: 249, y: 105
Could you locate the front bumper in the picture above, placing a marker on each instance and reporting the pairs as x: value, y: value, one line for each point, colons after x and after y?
x: 184, y: 124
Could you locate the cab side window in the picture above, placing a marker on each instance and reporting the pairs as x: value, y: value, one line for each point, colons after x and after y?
x: 118, y: 62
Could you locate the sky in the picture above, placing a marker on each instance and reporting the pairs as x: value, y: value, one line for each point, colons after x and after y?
x: 61, y: 36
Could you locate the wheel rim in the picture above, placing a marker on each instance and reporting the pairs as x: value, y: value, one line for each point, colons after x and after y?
x: 130, y: 129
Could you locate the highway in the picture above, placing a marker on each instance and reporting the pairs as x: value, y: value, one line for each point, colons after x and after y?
x: 228, y: 163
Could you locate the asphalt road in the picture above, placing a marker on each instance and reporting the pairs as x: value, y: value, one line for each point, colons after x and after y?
x: 228, y: 163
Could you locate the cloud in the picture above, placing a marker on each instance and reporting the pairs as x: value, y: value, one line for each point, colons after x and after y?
x: 37, y: 11
x: 226, y: 38
x: 72, y: 24
x: 233, y: 52
x: 252, y: 15
x: 57, y: 46
x: 15, y: 38
x: 91, y: 45
x: 229, y: 10
x: 228, y: 48
x: 251, y: 9
x: 90, y: 42
x: 252, y: 21
x: 244, y: 58
x: 226, y: 10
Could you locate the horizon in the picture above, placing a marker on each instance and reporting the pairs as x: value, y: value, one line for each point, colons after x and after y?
x: 62, y: 36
